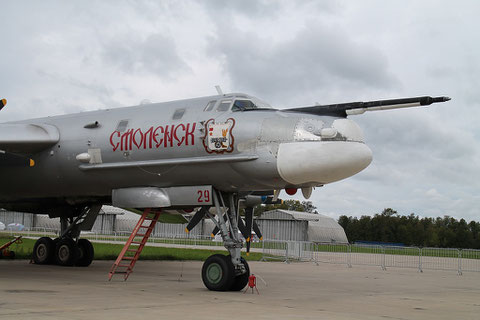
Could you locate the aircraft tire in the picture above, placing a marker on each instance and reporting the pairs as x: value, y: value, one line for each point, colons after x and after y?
x: 66, y: 252
x: 217, y: 273
x: 43, y: 251
x: 239, y: 282
x: 86, y: 253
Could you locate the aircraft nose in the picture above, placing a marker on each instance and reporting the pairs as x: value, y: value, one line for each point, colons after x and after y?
x: 321, y: 162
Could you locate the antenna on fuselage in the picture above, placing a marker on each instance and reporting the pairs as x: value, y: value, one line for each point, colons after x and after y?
x: 219, y: 90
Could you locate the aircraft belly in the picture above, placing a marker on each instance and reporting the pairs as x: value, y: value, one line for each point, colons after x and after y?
x: 44, y: 182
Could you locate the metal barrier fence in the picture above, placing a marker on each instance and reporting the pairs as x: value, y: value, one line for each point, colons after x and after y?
x: 275, y: 250
x: 441, y: 259
x: 460, y: 260
x: 470, y: 260
x: 32, y: 232
x: 331, y: 253
x: 402, y: 257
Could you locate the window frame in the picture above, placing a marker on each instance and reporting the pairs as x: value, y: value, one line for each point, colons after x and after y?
x: 230, y: 101
x: 210, y: 105
x: 239, y: 109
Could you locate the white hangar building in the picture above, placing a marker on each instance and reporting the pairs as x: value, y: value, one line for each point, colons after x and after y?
x: 282, y: 224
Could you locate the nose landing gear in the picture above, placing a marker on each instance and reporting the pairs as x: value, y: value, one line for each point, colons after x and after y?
x: 221, y: 272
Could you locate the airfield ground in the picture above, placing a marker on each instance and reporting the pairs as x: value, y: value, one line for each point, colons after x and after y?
x: 174, y: 290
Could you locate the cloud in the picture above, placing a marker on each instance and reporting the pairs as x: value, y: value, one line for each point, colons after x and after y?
x: 418, y: 144
x: 155, y: 54
x: 249, y: 8
x: 317, y: 57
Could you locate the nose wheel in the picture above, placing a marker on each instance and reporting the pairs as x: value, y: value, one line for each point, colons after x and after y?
x: 219, y: 274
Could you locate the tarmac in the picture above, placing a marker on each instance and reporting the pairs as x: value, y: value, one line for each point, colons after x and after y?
x: 174, y: 290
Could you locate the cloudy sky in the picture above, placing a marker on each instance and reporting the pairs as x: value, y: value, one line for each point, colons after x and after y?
x: 59, y: 57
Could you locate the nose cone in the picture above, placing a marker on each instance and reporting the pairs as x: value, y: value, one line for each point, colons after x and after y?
x: 321, y: 162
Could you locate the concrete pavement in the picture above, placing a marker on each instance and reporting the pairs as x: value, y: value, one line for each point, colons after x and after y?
x: 171, y: 289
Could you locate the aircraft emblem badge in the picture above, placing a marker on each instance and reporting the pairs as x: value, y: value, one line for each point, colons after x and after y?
x: 218, y: 136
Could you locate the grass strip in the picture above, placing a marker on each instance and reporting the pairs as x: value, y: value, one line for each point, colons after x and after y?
x: 107, y: 251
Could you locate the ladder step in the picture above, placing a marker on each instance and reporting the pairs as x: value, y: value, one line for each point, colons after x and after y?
x: 130, y: 245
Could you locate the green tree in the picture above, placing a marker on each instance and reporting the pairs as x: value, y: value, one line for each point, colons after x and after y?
x: 389, y: 226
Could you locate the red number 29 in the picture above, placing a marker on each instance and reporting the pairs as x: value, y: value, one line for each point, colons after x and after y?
x: 203, y: 196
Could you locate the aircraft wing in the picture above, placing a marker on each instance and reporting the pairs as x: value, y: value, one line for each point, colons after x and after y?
x: 22, y: 138
x: 353, y: 108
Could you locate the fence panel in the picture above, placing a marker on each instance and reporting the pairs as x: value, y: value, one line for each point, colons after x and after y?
x: 331, y: 253
x: 402, y: 257
x: 274, y: 250
x: 470, y: 260
x: 299, y: 250
x: 370, y: 255
x: 440, y: 259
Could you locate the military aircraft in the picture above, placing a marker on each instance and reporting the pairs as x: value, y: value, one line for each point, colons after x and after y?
x: 214, y: 154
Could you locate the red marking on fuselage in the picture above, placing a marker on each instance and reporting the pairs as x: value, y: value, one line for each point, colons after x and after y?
x: 154, y: 137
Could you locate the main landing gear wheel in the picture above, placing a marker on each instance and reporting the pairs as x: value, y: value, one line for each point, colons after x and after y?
x: 43, y: 251
x: 218, y: 273
x: 239, y: 282
x: 66, y: 252
x: 85, y: 253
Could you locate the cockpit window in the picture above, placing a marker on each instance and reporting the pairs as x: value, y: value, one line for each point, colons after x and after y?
x: 224, y: 105
x: 241, y: 105
x: 210, y: 105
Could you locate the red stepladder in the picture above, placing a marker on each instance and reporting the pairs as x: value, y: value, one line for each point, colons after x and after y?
x: 133, y: 247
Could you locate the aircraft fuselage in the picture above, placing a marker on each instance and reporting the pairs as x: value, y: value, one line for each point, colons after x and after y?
x: 182, y: 143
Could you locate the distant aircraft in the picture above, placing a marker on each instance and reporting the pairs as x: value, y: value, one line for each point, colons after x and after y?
x: 215, y: 154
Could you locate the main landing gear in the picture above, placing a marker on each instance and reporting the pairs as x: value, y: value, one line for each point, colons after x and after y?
x: 68, y: 249
x: 222, y: 272
x: 63, y: 251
